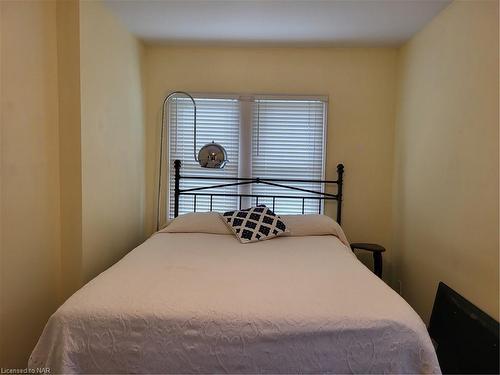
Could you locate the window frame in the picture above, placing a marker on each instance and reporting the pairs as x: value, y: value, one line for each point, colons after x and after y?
x: 246, y: 102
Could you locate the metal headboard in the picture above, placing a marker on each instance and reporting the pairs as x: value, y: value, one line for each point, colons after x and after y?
x: 317, y: 195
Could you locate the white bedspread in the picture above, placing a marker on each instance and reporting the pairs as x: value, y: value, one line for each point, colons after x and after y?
x: 204, y: 303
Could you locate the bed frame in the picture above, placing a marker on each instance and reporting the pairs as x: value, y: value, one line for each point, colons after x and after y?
x: 282, y: 183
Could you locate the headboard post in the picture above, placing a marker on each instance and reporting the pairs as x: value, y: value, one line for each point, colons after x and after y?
x: 340, y: 181
x: 177, y: 168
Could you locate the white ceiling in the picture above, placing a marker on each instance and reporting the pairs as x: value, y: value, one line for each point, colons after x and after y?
x: 297, y: 22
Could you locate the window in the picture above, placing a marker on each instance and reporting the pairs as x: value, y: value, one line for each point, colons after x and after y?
x: 272, y: 137
x: 287, y: 143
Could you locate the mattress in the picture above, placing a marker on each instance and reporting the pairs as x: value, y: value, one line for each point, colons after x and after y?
x: 205, y: 303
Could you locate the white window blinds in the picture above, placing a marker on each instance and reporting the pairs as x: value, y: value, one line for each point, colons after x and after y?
x: 288, y: 143
x: 217, y: 120
x: 280, y: 138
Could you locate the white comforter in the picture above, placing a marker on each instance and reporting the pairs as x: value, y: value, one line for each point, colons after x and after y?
x: 204, y: 303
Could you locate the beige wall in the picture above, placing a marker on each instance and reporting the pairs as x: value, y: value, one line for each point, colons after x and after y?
x: 77, y: 189
x: 72, y: 158
x: 68, y: 53
x: 360, y: 84
x: 446, y: 170
x: 112, y: 139
x: 29, y: 151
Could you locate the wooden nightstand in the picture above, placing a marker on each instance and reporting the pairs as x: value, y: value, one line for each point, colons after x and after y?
x: 376, y: 250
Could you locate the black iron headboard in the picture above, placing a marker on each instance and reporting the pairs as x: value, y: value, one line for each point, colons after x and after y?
x: 318, y: 195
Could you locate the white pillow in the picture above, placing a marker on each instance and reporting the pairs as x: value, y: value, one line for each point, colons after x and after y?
x: 314, y: 225
x: 197, y: 222
x: 297, y: 225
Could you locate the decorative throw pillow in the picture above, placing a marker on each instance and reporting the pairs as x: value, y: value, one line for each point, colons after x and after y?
x: 254, y: 224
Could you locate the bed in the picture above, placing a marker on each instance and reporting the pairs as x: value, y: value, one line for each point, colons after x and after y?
x: 193, y: 299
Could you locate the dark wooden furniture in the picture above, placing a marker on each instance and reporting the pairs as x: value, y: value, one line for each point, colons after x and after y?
x: 376, y: 250
x: 465, y: 337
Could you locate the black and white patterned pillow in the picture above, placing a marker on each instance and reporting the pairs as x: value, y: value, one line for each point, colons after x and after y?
x: 254, y: 224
